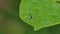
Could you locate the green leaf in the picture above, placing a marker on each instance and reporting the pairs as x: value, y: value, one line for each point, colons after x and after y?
x: 40, y: 13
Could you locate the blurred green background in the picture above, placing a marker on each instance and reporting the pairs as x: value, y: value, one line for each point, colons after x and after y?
x: 10, y: 22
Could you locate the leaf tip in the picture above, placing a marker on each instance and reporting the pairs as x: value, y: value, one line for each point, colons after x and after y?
x: 36, y: 28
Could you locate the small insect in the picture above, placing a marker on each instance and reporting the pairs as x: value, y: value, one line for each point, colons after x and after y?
x: 30, y: 16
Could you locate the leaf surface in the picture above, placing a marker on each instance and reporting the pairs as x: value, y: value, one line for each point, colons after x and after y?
x: 40, y: 13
